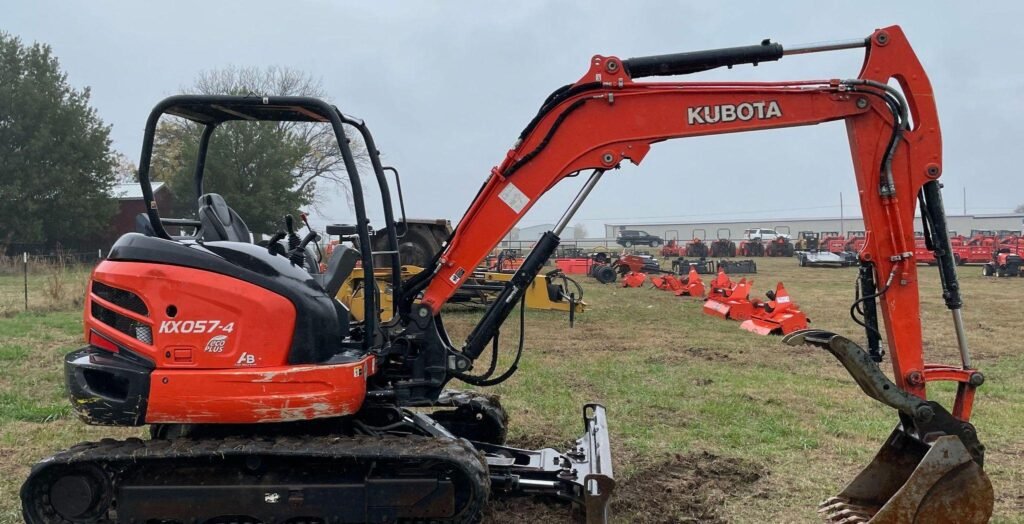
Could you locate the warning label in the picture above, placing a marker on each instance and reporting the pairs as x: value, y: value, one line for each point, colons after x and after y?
x: 457, y: 276
x: 513, y: 197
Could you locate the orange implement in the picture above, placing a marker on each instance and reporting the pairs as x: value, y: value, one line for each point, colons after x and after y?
x: 634, y: 279
x: 721, y: 285
x: 779, y: 315
x: 669, y: 282
x: 734, y: 304
x: 692, y: 285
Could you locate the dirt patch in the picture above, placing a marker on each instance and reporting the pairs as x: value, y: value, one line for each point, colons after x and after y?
x: 708, y: 354
x: 685, y: 489
x: 528, y: 509
x: 765, y: 401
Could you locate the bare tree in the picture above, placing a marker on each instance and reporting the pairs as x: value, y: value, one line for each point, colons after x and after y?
x: 1019, y: 209
x: 579, y: 231
x: 322, y: 162
x: 125, y: 171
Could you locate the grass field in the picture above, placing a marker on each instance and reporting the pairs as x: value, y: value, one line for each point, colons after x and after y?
x: 709, y: 423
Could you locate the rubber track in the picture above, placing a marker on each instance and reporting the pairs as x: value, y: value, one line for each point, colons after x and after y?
x: 457, y: 452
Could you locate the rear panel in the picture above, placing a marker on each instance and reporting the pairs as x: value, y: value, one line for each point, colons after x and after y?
x: 180, y: 317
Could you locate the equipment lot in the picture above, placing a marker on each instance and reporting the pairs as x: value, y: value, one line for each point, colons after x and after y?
x: 709, y: 423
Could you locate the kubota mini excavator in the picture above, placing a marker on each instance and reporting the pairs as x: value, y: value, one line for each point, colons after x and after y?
x: 267, y: 404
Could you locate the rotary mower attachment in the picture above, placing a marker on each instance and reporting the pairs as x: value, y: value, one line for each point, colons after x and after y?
x: 779, y: 315
x: 930, y: 468
x: 690, y: 286
x: 634, y: 279
x: 693, y: 286
x: 729, y: 301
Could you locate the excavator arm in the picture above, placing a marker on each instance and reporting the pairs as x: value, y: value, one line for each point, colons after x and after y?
x: 895, y: 142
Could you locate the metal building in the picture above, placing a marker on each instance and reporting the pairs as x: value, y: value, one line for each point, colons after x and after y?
x: 962, y: 224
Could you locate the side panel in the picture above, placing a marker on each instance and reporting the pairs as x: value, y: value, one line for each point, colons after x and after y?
x: 196, y: 319
x: 244, y: 396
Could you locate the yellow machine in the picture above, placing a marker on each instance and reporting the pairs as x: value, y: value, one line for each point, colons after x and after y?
x: 543, y: 294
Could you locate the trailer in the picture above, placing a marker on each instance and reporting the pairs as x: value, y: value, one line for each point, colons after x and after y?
x: 821, y: 258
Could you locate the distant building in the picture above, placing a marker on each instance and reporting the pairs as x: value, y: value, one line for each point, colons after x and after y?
x: 130, y: 204
x: 533, y: 233
x: 962, y: 224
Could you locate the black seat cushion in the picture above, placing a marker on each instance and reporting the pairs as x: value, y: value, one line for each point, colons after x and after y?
x: 339, y: 267
x: 220, y: 222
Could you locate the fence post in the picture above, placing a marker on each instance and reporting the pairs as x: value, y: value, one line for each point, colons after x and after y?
x: 24, y: 265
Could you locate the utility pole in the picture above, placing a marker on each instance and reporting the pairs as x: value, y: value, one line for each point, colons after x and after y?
x: 842, y: 221
x: 965, y: 200
x: 24, y: 265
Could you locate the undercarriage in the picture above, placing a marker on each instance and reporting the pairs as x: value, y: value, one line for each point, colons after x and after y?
x: 419, y: 468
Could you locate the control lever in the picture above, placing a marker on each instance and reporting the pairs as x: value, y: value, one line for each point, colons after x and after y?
x: 274, y: 244
x: 305, y: 220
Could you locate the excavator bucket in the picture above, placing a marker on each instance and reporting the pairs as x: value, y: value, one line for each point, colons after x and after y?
x: 930, y: 468
x: 910, y: 481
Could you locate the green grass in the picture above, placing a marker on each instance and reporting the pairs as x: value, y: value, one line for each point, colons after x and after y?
x: 674, y: 382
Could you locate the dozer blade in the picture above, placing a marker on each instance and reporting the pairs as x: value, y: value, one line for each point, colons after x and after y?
x: 760, y: 327
x: 930, y: 468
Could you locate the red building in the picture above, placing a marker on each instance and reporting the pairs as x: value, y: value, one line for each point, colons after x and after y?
x: 130, y: 204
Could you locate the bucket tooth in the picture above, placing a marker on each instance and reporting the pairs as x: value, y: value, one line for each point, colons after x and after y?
x: 912, y: 482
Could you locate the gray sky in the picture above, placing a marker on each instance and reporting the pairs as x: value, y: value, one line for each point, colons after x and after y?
x: 447, y: 86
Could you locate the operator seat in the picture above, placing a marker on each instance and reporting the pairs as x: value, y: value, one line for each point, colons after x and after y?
x: 339, y: 267
x: 220, y: 222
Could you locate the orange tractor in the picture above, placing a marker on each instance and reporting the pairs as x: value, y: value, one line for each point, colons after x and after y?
x: 698, y: 248
x: 723, y: 246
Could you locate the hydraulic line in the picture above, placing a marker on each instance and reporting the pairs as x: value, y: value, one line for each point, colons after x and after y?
x: 898, y: 105
x: 484, y: 380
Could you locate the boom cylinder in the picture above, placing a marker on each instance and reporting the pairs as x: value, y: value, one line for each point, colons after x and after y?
x: 506, y: 300
x: 696, y: 61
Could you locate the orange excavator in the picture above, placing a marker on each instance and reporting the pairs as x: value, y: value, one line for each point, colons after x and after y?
x: 268, y: 403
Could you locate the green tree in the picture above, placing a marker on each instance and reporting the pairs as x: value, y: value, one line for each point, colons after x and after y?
x: 56, y: 165
x: 263, y: 170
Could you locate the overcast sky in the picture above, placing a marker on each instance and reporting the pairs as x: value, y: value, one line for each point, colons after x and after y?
x: 447, y: 86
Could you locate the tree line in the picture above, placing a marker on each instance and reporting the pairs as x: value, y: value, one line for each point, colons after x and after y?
x: 57, y: 165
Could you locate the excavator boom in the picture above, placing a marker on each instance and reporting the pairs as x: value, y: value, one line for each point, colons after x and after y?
x: 607, y: 117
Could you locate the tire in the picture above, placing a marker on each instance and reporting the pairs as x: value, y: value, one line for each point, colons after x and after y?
x: 605, y: 274
x: 987, y: 270
x: 627, y: 243
x: 655, y: 243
